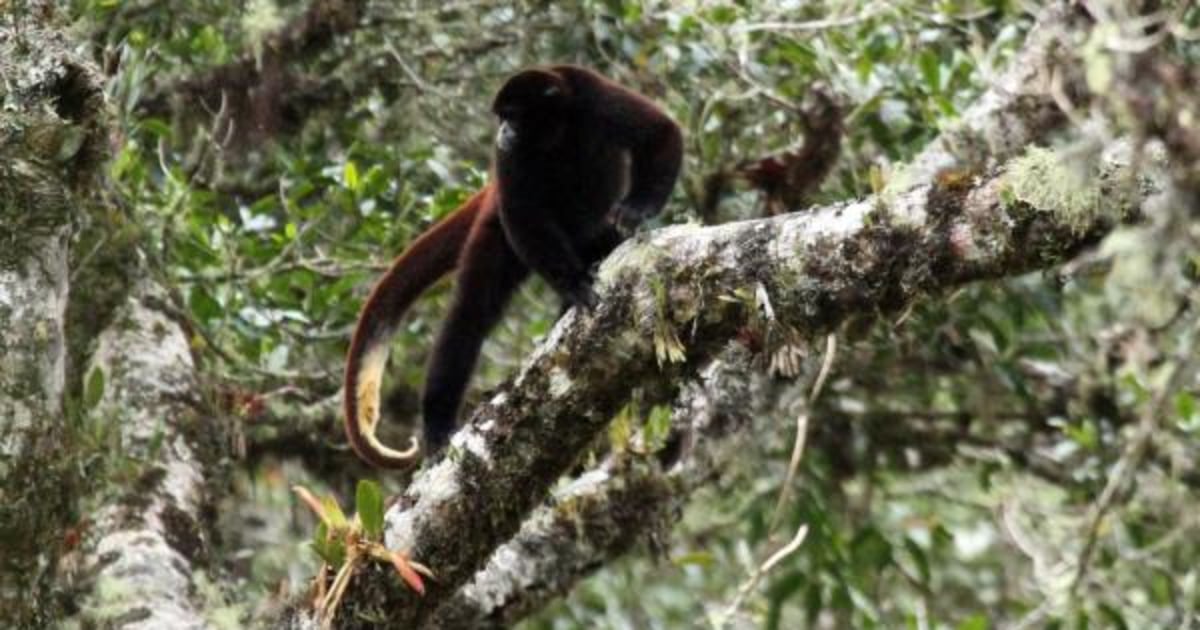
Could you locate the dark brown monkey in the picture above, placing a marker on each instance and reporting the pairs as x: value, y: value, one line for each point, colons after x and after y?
x: 577, y: 156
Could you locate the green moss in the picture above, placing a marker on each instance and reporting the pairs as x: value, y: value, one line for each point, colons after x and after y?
x: 40, y: 520
x: 631, y: 256
x: 1048, y: 182
x: 112, y: 597
x: 901, y: 180
x: 217, y: 611
x: 102, y: 272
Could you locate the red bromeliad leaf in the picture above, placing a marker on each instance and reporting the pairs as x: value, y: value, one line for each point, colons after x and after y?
x: 407, y: 573
x: 311, y: 501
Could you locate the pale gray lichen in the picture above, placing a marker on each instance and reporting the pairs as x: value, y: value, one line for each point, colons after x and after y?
x: 1049, y: 182
x: 560, y: 382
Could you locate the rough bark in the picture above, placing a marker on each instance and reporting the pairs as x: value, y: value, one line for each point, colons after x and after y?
x: 136, y: 566
x: 143, y: 559
x: 815, y: 271
x: 51, y: 141
x: 603, y: 514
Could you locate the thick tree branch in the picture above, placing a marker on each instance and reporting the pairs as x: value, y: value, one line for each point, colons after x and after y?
x: 146, y: 547
x: 605, y: 512
x: 51, y: 140
x: 52, y: 143
x: 814, y: 270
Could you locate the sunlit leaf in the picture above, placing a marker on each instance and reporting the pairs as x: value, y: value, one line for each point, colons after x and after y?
x: 350, y: 176
x: 368, y: 503
x: 94, y: 389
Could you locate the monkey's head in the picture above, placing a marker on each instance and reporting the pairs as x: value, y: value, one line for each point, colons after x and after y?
x: 531, y: 105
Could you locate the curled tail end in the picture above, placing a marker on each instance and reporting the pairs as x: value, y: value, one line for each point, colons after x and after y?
x: 431, y: 256
x: 362, y: 392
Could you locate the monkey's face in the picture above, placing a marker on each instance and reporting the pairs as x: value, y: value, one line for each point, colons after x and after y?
x: 531, y: 103
x: 506, y: 137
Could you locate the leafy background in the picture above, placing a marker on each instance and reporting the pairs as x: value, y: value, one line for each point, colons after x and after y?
x: 973, y: 435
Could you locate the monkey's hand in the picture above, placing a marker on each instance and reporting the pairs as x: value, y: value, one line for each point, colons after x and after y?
x: 628, y: 216
x: 582, y: 295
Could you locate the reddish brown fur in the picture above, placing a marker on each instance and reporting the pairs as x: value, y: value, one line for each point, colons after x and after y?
x: 577, y: 154
x: 434, y: 254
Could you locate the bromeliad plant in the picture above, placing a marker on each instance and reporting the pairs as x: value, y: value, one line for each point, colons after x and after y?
x: 349, y: 543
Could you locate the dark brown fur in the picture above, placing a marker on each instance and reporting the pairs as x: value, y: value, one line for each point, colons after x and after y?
x: 577, y: 157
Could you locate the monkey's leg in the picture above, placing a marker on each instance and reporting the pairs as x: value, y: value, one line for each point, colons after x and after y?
x: 549, y: 251
x: 489, y: 272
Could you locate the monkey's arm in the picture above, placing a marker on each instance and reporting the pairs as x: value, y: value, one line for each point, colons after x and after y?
x: 546, y: 248
x: 653, y: 139
x: 656, y: 146
x: 431, y: 256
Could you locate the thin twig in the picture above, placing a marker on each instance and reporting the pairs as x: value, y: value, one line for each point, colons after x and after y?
x: 811, y: 25
x: 826, y: 366
x: 420, y: 83
x: 793, y: 467
x: 1125, y: 468
x: 758, y: 574
x: 802, y: 432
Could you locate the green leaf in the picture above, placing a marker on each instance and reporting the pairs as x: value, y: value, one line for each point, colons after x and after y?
x: 863, y: 68
x: 331, y: 551
x: 300, y: 191
x: 350, y: 176
x: 94, y: 390
x: 264, y: 204
x: 814, y: 602
x: 155, y: 127
x: 621, y: 428
x: 374, y: 182
x: 1161, y: 588
x: 871, y: 552
x: 695, y: 558
x: 632, y: 12
x: 798, y: 54
x: 1007, y: 198
x: 368, y: 501
x: 918, y: 555
x: 974, y: 622
x: 721, y: 15
x: 333, y: 512
x: 1185, y: 406
x: 931, y: 70
x: 1114, y: 617
x: 1084, y: 433
x: 658, y: 425
x: 203, y: 305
